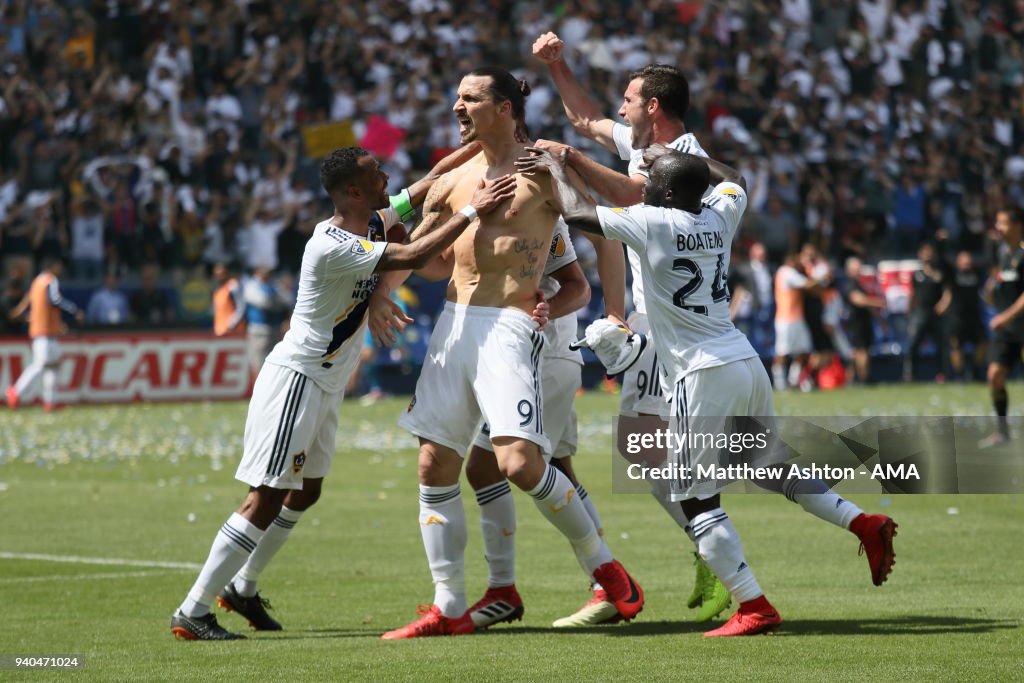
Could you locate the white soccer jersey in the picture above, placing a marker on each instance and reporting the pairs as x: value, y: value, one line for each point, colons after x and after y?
x: 560, y: 332
x: 335, y: 284
x: 684, y: 267
x: 623, y: 142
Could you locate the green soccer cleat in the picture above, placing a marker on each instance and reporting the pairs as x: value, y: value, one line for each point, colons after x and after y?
x: 708, y: 593
x: 697, y: 596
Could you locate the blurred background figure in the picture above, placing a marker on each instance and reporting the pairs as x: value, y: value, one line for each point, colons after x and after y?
x: 929, y: 299
x: 265, y: 309
x: 228, y: 302
x: 862, y: 306
x: 150, y: 304
x: 109, y: 305
x: 966, y: 327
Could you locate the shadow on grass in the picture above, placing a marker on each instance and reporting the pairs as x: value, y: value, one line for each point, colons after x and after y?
x: 909, y: 625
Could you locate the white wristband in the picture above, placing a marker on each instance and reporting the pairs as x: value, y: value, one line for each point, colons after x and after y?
x: 469, y: 212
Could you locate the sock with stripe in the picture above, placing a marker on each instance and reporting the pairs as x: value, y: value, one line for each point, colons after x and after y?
x: 559, y: 502
x: 815, y: 497
x: 274, y: 538
x: 231, y: 548
x: 50, y: 386
x: 498, y: 523
x: 443, y: 528
x: 719, y: 546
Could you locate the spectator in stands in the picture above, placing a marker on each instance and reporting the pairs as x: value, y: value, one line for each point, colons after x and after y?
x: 150, y: 304
x: 14, y: 291
x: 87, y: 233
x: 109, y: 305
x: 929, y: 298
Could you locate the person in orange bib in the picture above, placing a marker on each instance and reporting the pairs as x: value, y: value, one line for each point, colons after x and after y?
x: 44, y: 304
x: 228, y: 309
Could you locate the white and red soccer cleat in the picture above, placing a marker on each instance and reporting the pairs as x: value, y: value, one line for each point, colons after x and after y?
x: 753, y: 617
x: 498, y: 605
x: 876, y: 533
x: 622, y: 590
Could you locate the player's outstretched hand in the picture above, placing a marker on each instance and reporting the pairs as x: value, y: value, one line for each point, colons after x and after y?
x: 386, y: 319
x: 548, y: 48
x: 542, y: 160
x: 652, y: 152
x: 541, y: 312
x: 456, y: 159
x: 490, y: 194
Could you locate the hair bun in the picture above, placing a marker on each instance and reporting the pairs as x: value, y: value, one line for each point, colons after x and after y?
x: 524, y: 88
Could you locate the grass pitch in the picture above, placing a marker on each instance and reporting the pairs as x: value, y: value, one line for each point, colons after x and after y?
x: 151, y: 484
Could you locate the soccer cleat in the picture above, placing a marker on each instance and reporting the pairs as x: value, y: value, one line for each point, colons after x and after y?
x: 992, y: 440
x: 598, y: 610
x: 200, y: 628
x: 622, y: 590
x: 254, y: 609
x: 12, y: 398
x: 715, y: 597
x: 432, y: 623
x: 748, y: 624
x: 498, y: 605
x: 697, y: 596
x: 876, y: 533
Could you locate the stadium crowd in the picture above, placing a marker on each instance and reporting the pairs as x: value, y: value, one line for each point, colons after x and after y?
x: 152, y: 140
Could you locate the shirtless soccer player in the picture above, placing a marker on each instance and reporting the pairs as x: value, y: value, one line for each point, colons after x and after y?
x: 714, y: 373
x: 293, y: 415
x: 483, y: 362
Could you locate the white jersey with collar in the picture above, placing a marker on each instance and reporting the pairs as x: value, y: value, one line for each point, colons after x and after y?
x: 560, y: 332
x: 335, y: 283
x: 684, y: 264
x: 622, y: 136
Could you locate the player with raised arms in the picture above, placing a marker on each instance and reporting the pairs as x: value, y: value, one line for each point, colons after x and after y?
x: 715, y: 374
x: 293, y: 415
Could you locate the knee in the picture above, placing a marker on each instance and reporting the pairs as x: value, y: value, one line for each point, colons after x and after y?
x: 482, y: 469
x: 694, y: 506
x: 301, y: 500
x: 262, y: 505
x: 996, y: 377
x: 521, y: 464
x: 438, y: 466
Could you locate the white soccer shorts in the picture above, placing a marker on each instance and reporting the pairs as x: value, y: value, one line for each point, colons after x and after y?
x: 705, y: 402
x: 792, y: 338
x: 482, y: 362
x: 559, y: 383
x: 642, y: 392
x: 290, y: 430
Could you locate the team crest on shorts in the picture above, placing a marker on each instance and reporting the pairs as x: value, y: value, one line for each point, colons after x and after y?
x: 362, y: 247
x: 298, y: 462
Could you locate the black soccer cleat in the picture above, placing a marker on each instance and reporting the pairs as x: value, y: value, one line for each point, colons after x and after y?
x: 254, y: 609
x: 200, y: 628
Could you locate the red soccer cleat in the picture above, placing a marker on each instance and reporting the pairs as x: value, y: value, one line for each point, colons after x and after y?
x: 498, y: 605
x: 622, y: 590
x: 876, y: 533
x: 432, y: 623
x: 756, y: 616
x: 12, y: 398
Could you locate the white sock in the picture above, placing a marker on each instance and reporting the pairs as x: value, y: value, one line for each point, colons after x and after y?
x: 560, y: 503
x: 814, y: 496
x: 231, y: 547
x: 50, y: 385
x: 443, y: 527
x: 27, y: 379
x: 276, y: 535
x: 719, y: 546
x: 595, y: 517
x: 795, y: 370
x: 779, y: 376
x: 660, y: 491
x: 498, y: 522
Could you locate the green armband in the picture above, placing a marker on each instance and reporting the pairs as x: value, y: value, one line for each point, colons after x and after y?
x: 402, y: 203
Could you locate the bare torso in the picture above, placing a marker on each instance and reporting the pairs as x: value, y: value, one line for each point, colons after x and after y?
x: 499, y: 259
